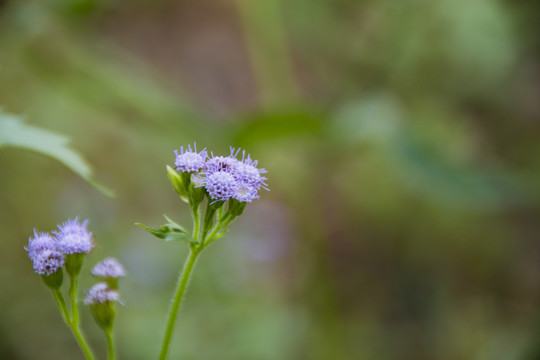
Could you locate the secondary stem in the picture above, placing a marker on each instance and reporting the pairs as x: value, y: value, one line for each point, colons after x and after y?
x: 74, y: 322
x: 177, y: 299
x: 110, y: 345
x: 59, y: 298
x: 82, y: 343
x: 196, y: 223
x: 73, y: 285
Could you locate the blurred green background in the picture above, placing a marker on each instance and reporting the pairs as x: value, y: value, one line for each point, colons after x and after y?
x: 401, y: 139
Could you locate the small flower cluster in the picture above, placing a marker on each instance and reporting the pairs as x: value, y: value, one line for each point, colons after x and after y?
x: 108, y: 271
x: 109, y: 268
x: 104, y: 294
x: 47, y: 250
x: 66, y: 249
x: 101, y: 293
x: 223, y: 177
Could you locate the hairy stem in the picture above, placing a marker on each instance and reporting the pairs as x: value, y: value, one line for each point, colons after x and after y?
x: 177, y: 299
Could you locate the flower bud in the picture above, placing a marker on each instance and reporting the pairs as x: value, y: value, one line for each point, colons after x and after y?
x: 54, y: 280
x: 101, y: 300
x: 109, y: 270
x: 177, y: 183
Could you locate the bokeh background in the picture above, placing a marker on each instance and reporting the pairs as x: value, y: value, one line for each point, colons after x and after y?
x: 401, y: 139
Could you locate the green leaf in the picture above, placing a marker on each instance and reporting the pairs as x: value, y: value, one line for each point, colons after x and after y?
x: 15, y: 133
x: 169, y: 232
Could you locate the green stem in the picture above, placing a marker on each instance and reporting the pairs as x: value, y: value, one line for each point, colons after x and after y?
x: 207, y: 223
x: 177, y: 299
x: 196, y: 223
x: 73, y: 285
x: 110, y: 345
x: 74, y: 323
x: 82, y: 343
x: 221, y: 224
x: 59, y: 298
x: 210, y: 238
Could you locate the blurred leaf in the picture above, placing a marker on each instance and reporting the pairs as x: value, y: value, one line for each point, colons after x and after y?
x: 14, y: 132
x: 277, y: 124
x: 169, y: 232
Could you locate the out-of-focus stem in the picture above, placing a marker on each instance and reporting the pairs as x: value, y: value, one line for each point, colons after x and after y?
x: 110, y: 345
x: 267, y: 43
x: 74, y: 321
x: 59, y: 298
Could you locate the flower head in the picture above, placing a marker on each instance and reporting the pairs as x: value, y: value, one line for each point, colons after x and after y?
x: 188, y: 160
x: 216, y: 164
x: 39, y: 243
x: 47, y: 261
x: 249, y: 179
x: 248, y: 173
x: 221, y: 185
x: 101, y: 293
x: 245, y: 193
x: 74, y: 237
x: 109, y: 268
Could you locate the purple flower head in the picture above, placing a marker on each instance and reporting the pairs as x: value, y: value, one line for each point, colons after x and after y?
x: 245, y: 193
x: 221, y: 164
x: 188, y: 160
x: 248, y: 173
x: 110, y: 268
x: 101, y: 293
x: 47, y: 261
x: 74, y: 238
x: 226, y: 164
x: 39, y: 243
x: 249, y: 179
x: 221, y: 185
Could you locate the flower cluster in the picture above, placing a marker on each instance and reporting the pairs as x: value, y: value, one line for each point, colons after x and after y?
x: 47, y: 250
x: 109, y: 268
x: 104, y: 294
x: 101, y: 293
x: 223, y: 177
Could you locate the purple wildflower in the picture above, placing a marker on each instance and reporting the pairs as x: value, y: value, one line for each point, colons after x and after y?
x: 221, y: 185
x: 245, y: 193
x: 249, y: 179
x: 226, y: 164
x: 39, y: 243
x: 188, y: 160
x: 101, y: 293
x: 47, y: 261
x: 109, y: 268
x: 220, y: 164
x: 73, y: 237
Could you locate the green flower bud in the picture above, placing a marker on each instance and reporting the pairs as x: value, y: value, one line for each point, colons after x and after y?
x: 54, y: 280
x: 178, y: 183
x: 74, y: 263
x: 102, y: 304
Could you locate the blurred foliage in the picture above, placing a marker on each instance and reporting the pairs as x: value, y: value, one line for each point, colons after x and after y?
x: 15, y: 133
x: 401, y: 140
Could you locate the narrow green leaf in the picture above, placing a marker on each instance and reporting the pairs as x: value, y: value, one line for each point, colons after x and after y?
x: 172, y: 222
x: 15, y: 133
x: 169, y: 232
